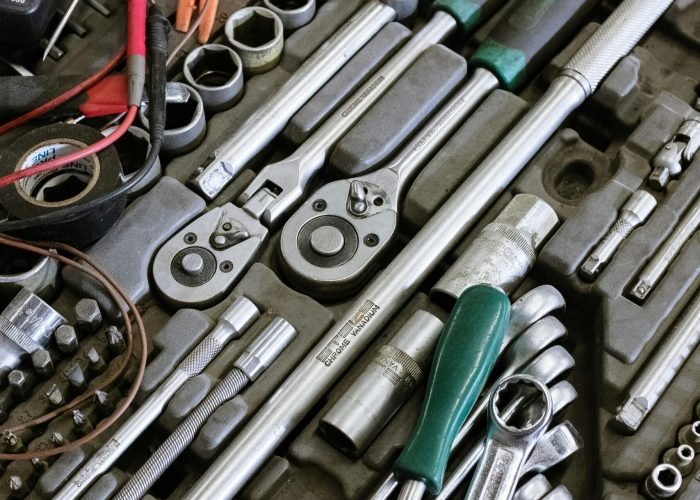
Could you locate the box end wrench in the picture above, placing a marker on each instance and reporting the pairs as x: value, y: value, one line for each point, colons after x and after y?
x: 316, y: 373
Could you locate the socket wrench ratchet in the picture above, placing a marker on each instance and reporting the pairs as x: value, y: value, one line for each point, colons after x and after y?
x: 510, y: 441
x: 335, y: 239
x: 390, y: 289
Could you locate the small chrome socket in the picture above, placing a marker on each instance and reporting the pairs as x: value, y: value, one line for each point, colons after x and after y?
x: 293, y: 13
x: 257, y: 35
x: 216, y: 72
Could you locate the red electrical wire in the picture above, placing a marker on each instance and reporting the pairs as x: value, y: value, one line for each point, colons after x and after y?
x: 57, y: 163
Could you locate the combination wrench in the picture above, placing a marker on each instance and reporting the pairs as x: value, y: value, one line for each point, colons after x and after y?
x: 391, y: 288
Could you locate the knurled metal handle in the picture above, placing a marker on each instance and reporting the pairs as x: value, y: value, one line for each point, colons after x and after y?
x: 613, y: 40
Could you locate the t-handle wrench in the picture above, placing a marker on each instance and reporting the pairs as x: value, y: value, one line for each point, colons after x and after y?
x: 332, y: 251
x: 391, y: 288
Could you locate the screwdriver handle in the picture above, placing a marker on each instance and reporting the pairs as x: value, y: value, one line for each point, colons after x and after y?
x: 527, y: 37
x: 465, y: 355
x: 468, y: 13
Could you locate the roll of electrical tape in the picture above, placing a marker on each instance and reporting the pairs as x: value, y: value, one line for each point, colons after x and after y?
x: 76, y: 183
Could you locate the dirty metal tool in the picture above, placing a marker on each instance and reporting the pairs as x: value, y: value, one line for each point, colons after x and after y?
x: 657, y: 266
x: 661, y: 368
x: 256, y: 358
x: 294, y: 14
x: 270, y: 118
x: 216, y: 72
x: 676, y: 155
x: 334, y: 241
x: 26, y: 326
x: 633, y: 213
x: 59, y: 29
x: 664, y: 481
x: 534, y: 489
x: 509, y: 443
x: 231, y: 324
x: 312, y: 378
x: 257, y: 35
x: 681, y: 457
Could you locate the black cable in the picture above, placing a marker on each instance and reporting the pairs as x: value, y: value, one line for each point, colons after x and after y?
x: 158, y: 29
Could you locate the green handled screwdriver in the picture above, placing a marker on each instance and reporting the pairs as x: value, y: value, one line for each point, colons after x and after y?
x: 466, y: 352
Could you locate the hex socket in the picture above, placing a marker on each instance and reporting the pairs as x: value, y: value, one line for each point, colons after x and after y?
x: 664, y: 481
x: 185, y: 124
x: 503, y: 253
x: 379, y: 391
x: 293, y: 13
x: 216, y: 72
x: 257, y: 35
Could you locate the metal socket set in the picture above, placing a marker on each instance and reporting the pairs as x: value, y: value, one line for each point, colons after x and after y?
x: 350, y: 249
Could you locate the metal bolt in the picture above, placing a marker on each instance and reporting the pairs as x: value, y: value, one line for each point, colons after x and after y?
x: 20, y: 383
x: 76, y: 378
x: 690, y: 435
x: 115, y: 339
x: 66, y: 339
x: 43, y: 365
x: 88, y: 317
x: 682, y: 458
x: 96, y: 362
x: 104, y: 405
x: 81, y: 423
x: 55, y: 396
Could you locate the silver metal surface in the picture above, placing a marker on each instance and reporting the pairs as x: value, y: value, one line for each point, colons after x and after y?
x: 26, y: 325
x: 231, y: 324
x: 412, y: 490
x: 291, y: 176
x: 216, y: 72
x: 633, y: 213
x: 378, y: 392
x: 508, y: 444
x: 681, y: 457
x: 260, y: 354
x: 184, y: 133
x: 59, y: 29
x: 690, y: 434
x: 271, y: 117
x: 664, y: 481
x: 661, y: 368
x: 677, y: 154
x: 131, y: 162
x: 257, y: 35
x: 561, y: 492
x: 657, y: 266
x: 530, y: 308
x: 380, y: 300
x: 534, y: 489
x: 555, y: 446
x: 41, y: 279
x: 504, y: 252
x: 266, y: 347
x: 293, y: 14
x: 227, y: 239
x: 370, y: 204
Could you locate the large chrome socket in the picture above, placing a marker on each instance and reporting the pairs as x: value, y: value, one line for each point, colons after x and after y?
x: 504, y: 252
x: 379, y: 391
x: 216, y: 72
x: 133, y: 148
x: 257, y: 35
x: 293, y: 13
x: 26, y: 325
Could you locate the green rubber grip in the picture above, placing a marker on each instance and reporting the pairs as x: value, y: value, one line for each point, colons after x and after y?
x: 468, y: 13
x: 528, y: 36
x: 464, y: 358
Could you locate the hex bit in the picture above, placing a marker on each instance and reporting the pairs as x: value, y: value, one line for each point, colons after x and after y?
x: 88, y: 316
x: 55, y: 396
x: 76, y: 378
x: 42, y: 362
x: 66, y: 339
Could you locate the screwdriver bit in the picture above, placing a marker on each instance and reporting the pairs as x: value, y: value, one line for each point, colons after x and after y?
x: 115, y: 339
x: 42, y: 362
x: 76, y: 378
x: 88, y: 317
x: 17, y: 487
x: 21, y: 383
x: 56, y: 439
x: 81, y: 423
x: 633, y: 213
x: 104, y: 404
x: 55, y: 396
x: 39, y: 466
x: 66, y: 339
x: 96, y: 362
x: 11, y: 442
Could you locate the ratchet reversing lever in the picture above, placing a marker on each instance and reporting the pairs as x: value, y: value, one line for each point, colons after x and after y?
x: 332, y: 242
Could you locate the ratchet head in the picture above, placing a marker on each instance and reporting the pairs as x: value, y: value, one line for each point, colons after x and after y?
x: 333, y: 241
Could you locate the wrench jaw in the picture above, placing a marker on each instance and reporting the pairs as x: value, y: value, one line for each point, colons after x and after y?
x: 510, y: 442
x: 199, y: 265
x: 329, y: 252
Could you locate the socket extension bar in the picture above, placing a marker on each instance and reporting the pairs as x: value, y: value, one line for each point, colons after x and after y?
x: 381, y: 299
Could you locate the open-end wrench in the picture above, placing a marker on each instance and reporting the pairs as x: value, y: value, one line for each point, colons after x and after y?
x: 330, y: 245
x: 509, y: 443
x: 286, y: 408
x: 530, y: 308
x: 271, y: 117
x: 290, y: 176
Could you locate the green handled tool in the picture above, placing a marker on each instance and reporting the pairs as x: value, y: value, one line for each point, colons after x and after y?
x: 465, y: 355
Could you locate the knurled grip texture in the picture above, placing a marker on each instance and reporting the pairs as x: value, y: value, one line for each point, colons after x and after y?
x: 202, y: 355
x: 614, y: 39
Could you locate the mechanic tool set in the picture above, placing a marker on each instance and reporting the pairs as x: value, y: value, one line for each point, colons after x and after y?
x: 349, y: 249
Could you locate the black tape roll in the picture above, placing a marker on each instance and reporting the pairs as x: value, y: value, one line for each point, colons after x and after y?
x: 78, y: 182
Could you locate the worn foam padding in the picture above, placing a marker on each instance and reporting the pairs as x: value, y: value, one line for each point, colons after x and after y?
x: 298, y: 47
x: 304, y: 41
x: 125, y: 252
x: 463, y: 152
x: 310, y: 452
x: 61, y: 470
x: 106, y: 486
x: 186, y: 399
x: 390, y: 122
x: 346, y: 81
x: 173, y: 342
x: 273, y: 298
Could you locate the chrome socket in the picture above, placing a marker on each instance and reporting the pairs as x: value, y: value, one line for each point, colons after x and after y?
x: 38, y: 275
x: 133, y: 148
x: 185, y: 124
x: 664, y: 481
x: 216, y: 72
x: 293, y: 13
x: 257, y: 35
x: 263, y: 351
x: 392, y: 376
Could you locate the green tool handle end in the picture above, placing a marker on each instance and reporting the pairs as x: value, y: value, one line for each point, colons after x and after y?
x: 468, y: 13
